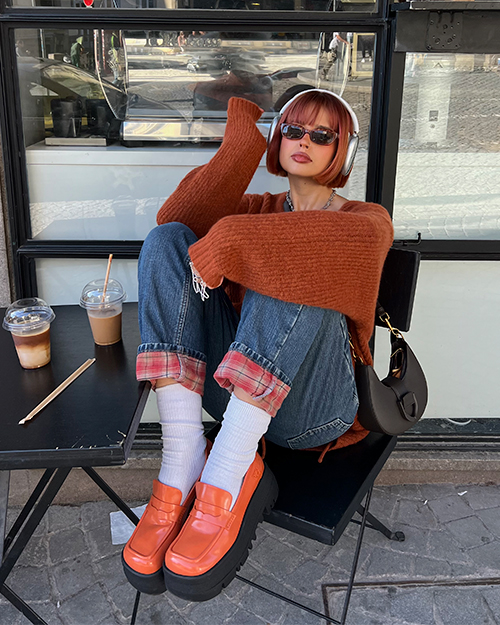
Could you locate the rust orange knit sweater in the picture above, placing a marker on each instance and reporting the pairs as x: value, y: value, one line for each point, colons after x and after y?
x: 330, y: 259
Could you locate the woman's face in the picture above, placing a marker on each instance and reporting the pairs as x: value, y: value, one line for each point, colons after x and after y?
x: 302, y: 157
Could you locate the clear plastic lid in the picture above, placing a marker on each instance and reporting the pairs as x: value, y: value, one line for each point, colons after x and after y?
x: 92, y: 294
x: 27, y: 315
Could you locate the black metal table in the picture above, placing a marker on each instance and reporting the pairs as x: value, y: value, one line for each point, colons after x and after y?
x: 92, y: 423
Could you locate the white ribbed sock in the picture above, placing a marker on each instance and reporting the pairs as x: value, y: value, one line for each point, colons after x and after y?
x: 235, y: 446
x: 184, y: 443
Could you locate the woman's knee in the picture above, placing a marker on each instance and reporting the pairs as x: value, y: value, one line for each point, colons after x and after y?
x: 173, y: 235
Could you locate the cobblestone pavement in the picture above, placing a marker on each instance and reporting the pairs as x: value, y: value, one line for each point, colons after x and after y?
x: 447, y: 572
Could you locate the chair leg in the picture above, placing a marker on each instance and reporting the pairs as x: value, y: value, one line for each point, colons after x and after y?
x: 375, y: 524
x: 356, y: 556
x: 136, y: 608
x: 328, y: 619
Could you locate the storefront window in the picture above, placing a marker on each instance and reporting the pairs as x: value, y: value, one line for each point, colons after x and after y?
x: 448, y: 176
x: 112, y: 123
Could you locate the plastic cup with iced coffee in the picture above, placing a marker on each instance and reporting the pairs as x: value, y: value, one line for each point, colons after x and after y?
x: 28, y: 321
x: 105, y: 313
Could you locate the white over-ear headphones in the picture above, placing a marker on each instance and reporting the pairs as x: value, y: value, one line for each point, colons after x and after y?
x: 352, y: 146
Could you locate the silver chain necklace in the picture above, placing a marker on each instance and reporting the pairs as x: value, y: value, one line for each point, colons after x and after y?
x: 328, y: 202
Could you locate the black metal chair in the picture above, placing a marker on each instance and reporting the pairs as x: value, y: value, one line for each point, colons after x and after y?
x: 313, y: 501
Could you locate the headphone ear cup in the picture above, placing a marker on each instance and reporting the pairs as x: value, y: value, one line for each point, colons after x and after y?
x: 352, y: 148
x: 273, y: 128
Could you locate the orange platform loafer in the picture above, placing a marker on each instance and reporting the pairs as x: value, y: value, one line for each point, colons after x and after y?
x: 214, y: 541
x: 161, y: 522
x: 143, y: 555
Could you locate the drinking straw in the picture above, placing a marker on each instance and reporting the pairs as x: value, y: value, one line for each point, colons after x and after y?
x: 58, y: 390
x: 107, y: 277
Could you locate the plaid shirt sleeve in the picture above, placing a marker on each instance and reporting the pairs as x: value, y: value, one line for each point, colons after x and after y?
x: 188, y: 371
x: 238, y: 370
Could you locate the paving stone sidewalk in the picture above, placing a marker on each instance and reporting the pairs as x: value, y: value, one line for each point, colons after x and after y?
x: 447, y: 572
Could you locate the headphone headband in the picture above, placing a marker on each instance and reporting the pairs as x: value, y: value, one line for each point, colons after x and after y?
x: 347, y: 106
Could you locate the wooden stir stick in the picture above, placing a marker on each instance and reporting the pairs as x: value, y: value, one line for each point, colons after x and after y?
x: 58, y: 390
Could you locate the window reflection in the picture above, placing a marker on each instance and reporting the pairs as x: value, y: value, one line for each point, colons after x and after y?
x: 242, y: 5
x: 448, y: 178
x: 169, y: 85
x: 89, y: 96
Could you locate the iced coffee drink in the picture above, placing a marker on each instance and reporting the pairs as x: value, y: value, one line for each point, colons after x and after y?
x: 28, y: 320
x: 106, y: 326
x: 104, y: 312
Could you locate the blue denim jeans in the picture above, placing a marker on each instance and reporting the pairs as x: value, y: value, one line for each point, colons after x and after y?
x: 304, y: 348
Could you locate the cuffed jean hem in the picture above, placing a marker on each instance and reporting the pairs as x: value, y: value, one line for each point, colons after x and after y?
x: 320, y: 435
x: 239, y: 369
x: 153, y: 364
x: 172, y: 348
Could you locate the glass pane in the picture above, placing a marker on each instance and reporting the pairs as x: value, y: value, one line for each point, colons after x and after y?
x: 61, y: 280
x: 454, y: 300
x: 111, y: 128
x: 364, y: 6
x: 448, y: 176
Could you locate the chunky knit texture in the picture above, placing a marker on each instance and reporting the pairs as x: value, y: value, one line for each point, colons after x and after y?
x: 330, y: 259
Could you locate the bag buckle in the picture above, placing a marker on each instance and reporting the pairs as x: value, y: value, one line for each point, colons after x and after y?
x: 408, y: 406
x: 385, y: 319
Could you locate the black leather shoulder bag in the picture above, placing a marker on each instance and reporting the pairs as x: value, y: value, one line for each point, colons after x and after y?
x: 396, y: 403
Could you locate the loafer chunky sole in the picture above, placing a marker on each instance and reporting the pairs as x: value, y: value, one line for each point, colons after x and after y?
x: 198, y: 541
x: 150, y: 584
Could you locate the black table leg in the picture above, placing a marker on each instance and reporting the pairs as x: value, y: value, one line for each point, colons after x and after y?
x: 29, y: 519
x: 33, y: 519
x: 23, y: 515
x: 23, y: 607
x: 4, y: 503
x: 111, y: 494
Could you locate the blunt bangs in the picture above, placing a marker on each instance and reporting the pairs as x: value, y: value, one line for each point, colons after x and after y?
x: 305, y: 110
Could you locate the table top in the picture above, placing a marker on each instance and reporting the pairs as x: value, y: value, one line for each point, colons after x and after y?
x: 94, y: 420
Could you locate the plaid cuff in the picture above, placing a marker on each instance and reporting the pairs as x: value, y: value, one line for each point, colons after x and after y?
x: 238, y: 370
x: 188, y: 371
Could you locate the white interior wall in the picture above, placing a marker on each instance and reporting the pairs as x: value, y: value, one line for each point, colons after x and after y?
x: 455, y: 334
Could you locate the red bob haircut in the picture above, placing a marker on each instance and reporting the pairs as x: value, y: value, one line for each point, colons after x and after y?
x: 305, y: 110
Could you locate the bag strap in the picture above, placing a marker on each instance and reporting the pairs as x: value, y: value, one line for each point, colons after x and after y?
x: 383, y: 315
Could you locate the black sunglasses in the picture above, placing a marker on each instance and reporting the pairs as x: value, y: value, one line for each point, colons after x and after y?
x: 320, y: 136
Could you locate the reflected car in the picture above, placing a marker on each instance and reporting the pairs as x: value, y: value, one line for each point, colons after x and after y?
x: 100, y: 104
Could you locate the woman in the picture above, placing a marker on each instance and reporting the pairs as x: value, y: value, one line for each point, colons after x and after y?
x: 255, y: 295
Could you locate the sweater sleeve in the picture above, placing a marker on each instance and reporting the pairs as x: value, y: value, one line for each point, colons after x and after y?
x: 326, y: 259
x: 217, y: 189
